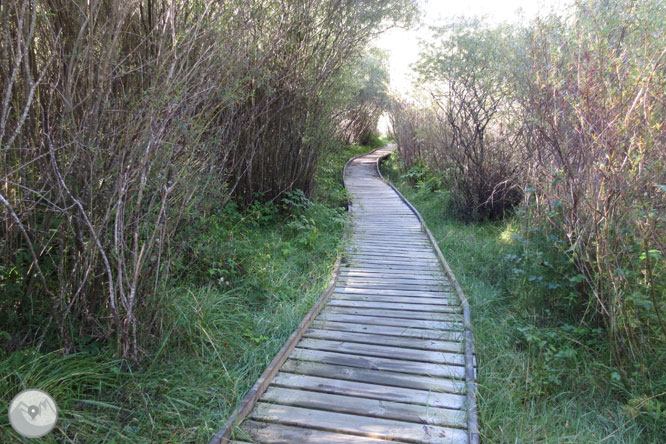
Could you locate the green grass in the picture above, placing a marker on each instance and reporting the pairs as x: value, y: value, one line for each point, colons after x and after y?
x: 542, y: 377
x: 248, y: 278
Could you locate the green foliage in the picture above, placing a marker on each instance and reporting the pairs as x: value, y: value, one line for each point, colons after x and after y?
x: 423, y: 177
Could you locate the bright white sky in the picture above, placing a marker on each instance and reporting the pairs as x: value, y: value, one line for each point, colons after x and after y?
x: 402, y: 45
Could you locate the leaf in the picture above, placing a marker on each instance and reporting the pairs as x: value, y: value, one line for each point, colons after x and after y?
x: 654, y: 254
x: 577, y: 279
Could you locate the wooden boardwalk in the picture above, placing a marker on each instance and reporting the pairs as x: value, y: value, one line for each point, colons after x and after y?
x: 385, y: 356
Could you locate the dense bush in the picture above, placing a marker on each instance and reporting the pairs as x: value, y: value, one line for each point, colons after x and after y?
x: 464, y: 129
x: 118, y: 119
x: 566, y: 114
x: 595, y: 106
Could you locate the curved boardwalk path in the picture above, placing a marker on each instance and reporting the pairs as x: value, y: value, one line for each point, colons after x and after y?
x: 383, y: 360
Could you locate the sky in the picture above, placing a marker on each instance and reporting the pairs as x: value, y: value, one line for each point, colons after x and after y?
x: 402, y: 45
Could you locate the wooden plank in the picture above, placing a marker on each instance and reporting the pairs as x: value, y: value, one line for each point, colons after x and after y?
x: 360, y: 425
x: 382, y: 351
x: 411, y: 241
x: 392, y: 252
x: 418, y: 246
x: 352, y: 272
x: 419, y: 315
x: 366, y: 407
x: 355, y: 327
x: 395, y: 272
x: 370, y: 390
x: 404, y: 278
x: 360, y: 262
x: 379, y: 238
x: 371, y: 241
x: 395, y: 306
x: 269, y: 433
x: 392, y: 341
x: 401, y: 268
x: 388, y: 292
x: 378, y: 377
x: 389, y: 286
x: 406, y: 263
x: 391, y: 322
x: 395, y: 299
x: 388, y: 279
x: 386, y: 245
x: 388, y: 231
x: 388, y: 364
x: 394, y: 259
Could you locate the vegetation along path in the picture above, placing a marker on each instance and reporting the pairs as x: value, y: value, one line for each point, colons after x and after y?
x: 386, y: 354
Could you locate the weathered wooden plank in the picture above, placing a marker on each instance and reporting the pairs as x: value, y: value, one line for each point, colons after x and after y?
x: 390, y: 286
x: 401, y: 331
x: 360, y: 242
x: 388, y: 364
x: 366, y: 407
x: 359, y: 276
x: 270, y: 433
x: 393, y: 259
x: 378, y: 377
x: 382, y: 351
x: 388, y: 292
x: 395, y: 299
x: 392, y: 341
x: 393, y: 271
x: 381, y: 239
x: 404, y: 247
x: 370, y: 390
x: 394, y: 306
x: 378, y: 274
x: 392, y: 322
x: 389, y: 232
x: 392, y: 252
x: 406, y: 265
x: 420, y: 315
x: 361, y: 425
